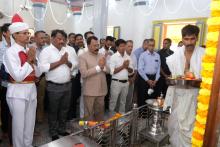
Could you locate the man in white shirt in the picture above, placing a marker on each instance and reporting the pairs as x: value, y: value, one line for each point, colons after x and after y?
x: 120, y: 67
x: 105, y: 50
x: 57, y: 66
x: 73, y: 58
x: 39, y: 43
x: 20, y: 63
x: 132, y: 76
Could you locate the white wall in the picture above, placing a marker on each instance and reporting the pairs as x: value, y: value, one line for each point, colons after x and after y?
x: 136, y: 23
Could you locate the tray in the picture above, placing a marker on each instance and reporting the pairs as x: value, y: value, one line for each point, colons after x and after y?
x: 184, y: 82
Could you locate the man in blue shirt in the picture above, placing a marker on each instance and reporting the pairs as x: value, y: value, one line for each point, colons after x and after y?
x: 149, y: 70
x: 137, y: 52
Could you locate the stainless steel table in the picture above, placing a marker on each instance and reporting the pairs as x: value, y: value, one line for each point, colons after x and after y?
x: 70, y: 141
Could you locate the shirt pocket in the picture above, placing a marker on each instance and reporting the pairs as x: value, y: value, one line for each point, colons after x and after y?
x: 156, y: 64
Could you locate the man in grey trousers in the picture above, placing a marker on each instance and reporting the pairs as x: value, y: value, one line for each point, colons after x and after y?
x: 57, y: 65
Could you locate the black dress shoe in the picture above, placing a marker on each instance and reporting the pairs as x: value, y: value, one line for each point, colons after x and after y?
x: 64, y: 133
x: 55, y: 137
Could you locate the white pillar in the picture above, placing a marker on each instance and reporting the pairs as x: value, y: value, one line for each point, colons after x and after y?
x: 100, y: 18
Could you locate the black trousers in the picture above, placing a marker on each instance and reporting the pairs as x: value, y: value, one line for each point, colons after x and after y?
x: 59, y: 96
x: 108, y: 80
x: 143, y: 87
x: 162, y: 86
x: 5, y: 115
x: 75, y: 94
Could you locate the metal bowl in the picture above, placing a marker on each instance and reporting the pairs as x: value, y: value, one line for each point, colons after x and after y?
x: 152, y: 107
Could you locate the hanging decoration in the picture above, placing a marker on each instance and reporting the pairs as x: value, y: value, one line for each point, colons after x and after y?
x: 42, y: 3
x: 207, y: 74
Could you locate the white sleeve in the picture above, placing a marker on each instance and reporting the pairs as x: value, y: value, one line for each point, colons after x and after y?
x: 73, y: 58
x: 112, y: 65
x: 134, y: 61
x: 13, y: 66
x: 44, y: 64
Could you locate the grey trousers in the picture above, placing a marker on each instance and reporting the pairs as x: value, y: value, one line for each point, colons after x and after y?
x: 59, y: 101
x: 129, y: 98
x: 119, y: 92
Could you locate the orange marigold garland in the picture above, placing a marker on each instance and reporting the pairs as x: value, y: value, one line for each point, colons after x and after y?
x: 207, y: 74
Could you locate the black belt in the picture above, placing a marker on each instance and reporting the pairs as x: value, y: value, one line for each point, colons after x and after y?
x: 58, y: 83
x: 122, y: 81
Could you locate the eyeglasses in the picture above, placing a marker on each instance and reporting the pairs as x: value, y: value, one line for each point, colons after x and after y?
x: 24, y: 33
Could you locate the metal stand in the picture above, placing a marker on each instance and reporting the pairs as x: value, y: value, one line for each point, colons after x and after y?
x: 156, y: 139
x: 155, y: 131
x: 155, y: 127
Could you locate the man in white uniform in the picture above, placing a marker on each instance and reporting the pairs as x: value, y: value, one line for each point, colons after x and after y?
x: 181, y: 99
x: 21, y: 94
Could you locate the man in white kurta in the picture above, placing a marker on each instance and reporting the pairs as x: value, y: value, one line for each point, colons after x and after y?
x: 183, y: 101
x: 21, y: 92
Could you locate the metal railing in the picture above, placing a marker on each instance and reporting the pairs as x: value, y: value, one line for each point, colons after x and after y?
x: 122, y: 132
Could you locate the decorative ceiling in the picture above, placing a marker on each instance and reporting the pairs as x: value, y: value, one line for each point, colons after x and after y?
x: 75, y: 3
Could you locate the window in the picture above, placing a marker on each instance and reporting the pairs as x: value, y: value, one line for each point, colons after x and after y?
x: 172, y: 29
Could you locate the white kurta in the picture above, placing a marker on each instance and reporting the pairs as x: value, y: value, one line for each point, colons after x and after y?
x: 183, y: 101
x: 21, y: 98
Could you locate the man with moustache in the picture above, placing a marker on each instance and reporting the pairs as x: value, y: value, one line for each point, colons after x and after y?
x: 164, y: 70
x: 57, y: 67
x: 88, y: 34
x: 120, y: 67
x: 73, y: 58
x: 93, y: 68
x: 71, y: 39
x: 132, y: 77
x: 80, y: 52
x: 39, y: 39
x: 79, y: 43
x: 137, y: 53
x: 107, y: 53
x: 20, y: 64
x: 183, y: 100
x: 149, y: 70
